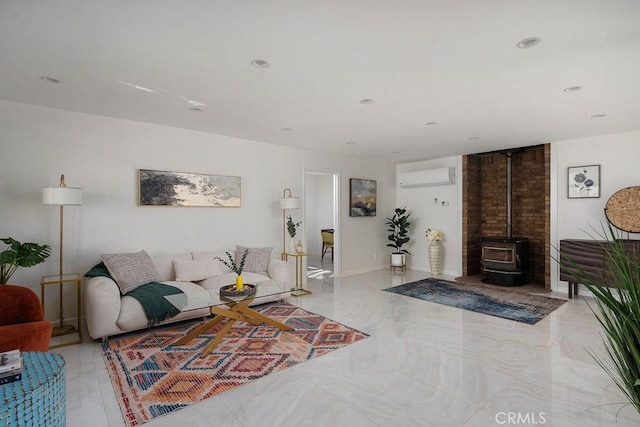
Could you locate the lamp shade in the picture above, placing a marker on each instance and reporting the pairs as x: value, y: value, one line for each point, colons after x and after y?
x: 290, y: 203
x: 62, y: 196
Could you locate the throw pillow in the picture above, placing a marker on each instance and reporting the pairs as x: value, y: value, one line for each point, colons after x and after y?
x: 196, y: 270
x: 130, y: 270
x: 257, y: 259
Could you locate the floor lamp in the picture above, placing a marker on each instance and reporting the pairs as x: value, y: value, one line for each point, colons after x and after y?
x: 287, y: 202
x: 62, y: 196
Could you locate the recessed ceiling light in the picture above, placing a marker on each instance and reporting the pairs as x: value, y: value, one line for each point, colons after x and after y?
x: 260, y: 63
x: 395, y: 152
x: 49, y: 79
x: 431, y: 124
x: 196, y: 109
x: 572, y: 89
x: 528, y: 42
x: 350, y: 142
x: 474, y: 138
x: 287, y: 129
x: 598, y: 116
x: 366, y: 101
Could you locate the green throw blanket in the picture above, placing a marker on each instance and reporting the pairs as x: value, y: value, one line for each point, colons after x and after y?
x: 151, y: 296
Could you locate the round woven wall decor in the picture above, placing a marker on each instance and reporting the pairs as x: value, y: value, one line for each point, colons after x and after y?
x: 623, y: 209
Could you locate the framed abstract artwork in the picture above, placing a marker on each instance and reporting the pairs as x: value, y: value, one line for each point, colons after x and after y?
x: 166, y: 188
x: 362, y: 197
x: 584, y: 182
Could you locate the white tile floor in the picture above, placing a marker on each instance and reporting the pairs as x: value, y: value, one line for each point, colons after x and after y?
x: 423, y: 365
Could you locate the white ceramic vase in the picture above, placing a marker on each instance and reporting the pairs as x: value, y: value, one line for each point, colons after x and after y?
x: 435, y: 257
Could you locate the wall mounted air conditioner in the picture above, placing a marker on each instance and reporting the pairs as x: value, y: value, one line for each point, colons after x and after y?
x: 426, y: 178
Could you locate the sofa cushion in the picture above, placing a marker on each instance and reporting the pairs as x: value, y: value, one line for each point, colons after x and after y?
x: 196, y: 269
x: 164, y: 264
x: 212, y: 255
x: 130, y: 270
x: 257, y: 259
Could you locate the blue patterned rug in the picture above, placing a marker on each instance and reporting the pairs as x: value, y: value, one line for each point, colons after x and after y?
x: 491, y: 300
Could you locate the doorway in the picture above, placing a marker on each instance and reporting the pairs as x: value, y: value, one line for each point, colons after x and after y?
x: 321, y: 212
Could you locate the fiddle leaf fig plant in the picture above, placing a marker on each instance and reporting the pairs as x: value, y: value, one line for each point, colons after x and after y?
x: 398, y: 230
x: 20, y: 255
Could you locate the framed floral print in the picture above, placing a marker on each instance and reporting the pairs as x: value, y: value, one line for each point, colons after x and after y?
x: 584, y: 182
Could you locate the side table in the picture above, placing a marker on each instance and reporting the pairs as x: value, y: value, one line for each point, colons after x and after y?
x: 299, y: 290
x: 62, y: 328
x: 39, y: 398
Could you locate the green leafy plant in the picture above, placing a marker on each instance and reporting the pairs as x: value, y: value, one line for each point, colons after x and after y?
x: 232, y: 264
x: 617, y: 308
x: 20, y: 255
x: 398, y: 230
x: 292, y: 226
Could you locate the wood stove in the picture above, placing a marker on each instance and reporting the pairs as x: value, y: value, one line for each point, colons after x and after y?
x: 506, y: 259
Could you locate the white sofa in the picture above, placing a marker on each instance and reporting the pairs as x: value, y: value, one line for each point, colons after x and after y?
x: 108, y: 312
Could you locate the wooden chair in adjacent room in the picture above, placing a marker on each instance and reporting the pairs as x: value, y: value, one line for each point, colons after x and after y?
x: 327, y: 242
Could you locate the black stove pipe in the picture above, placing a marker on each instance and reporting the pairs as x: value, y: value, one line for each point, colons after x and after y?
x: 509, y: 225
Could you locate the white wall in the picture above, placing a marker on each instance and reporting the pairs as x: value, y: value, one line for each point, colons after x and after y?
x: 618, y: 156
x: 102, y: 155
x: 426, y: 213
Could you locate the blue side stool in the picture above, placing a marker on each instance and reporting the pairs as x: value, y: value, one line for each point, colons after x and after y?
x: 39, y: 398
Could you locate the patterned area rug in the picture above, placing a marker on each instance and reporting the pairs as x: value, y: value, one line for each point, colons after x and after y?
x: 491, y: 300
x: 152, y: 378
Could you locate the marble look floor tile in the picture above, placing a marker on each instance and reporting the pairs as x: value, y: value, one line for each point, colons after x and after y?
x: 423, y: 364
x: 389, y: 397
x: 560, y: 406
x: 301, y: 403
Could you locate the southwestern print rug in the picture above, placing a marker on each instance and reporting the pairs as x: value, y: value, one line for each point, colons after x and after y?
x: 491, y: 300
x: 152, y: 378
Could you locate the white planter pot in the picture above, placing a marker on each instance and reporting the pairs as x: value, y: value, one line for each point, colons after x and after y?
x: 398, y: 260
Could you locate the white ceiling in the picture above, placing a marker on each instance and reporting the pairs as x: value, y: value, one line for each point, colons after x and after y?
x: 454, y: 62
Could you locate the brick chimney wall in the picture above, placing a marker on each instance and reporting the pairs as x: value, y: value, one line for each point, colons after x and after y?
x: 485, y: 206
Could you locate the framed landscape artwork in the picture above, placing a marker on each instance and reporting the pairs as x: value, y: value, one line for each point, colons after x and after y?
x: 362, y: 197
x: 165, y: 188
x: 584, y: 182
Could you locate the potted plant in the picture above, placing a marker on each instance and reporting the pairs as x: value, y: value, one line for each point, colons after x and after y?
x: 237, y: 268
x: 617, y: 308
x: 398, y: 235
x: 20, y: 255
x: 291, y: 229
